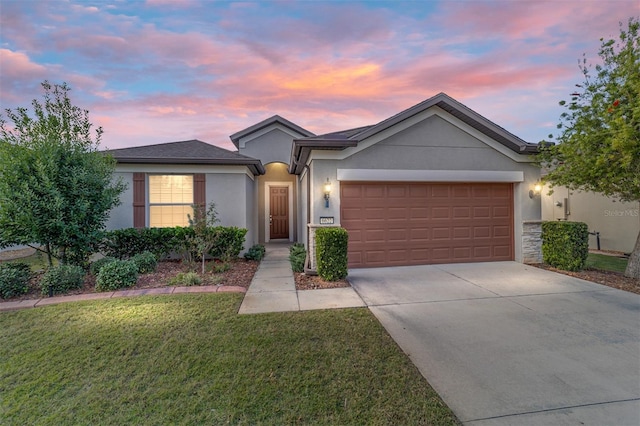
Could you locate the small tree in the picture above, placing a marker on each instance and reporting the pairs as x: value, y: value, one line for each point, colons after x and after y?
x: 56, y: 188
x: 599, y: 145
x: 206, y: 234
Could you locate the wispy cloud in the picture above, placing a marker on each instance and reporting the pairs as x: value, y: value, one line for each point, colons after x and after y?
x: 173, y: 70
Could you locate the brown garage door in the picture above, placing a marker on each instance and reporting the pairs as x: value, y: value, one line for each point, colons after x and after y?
x: 392, y: 224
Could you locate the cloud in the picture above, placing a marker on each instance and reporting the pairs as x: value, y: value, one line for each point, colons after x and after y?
x: 166, y: 70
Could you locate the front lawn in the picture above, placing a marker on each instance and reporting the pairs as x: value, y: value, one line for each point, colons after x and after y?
x: 190, y: 359
x: 606, y: 263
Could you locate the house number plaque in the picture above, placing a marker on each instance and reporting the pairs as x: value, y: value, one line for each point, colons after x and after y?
x: 326, y: 220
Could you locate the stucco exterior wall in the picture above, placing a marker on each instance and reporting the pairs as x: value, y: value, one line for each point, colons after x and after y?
x: 121, y: 216
x: 432, y: 144
x: 229, y: 187
x: 228, y: 192
x: 251, y: 213
x: 617, y: 222
x: 273, y: 146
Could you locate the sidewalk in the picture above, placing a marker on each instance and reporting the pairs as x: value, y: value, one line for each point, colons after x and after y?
x: 273, y: 288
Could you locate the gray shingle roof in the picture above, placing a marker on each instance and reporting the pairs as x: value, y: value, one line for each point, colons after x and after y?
x: 185, y: 152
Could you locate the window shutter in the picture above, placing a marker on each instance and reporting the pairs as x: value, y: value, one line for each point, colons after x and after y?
x: 139, y: 209
x: 199, y: 189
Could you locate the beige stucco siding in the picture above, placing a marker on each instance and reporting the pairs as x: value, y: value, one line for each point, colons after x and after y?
x: 121, y: 217
x: 617, y: 222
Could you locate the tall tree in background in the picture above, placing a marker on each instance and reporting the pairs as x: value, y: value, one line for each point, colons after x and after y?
x: 598, y: 147
x: 56, y: 188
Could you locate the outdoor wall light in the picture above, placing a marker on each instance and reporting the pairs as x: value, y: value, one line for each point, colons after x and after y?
x: 535, y: 192
x: 327, y: 192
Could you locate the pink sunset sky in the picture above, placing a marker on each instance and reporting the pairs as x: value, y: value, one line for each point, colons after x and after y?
x: 166, y: 70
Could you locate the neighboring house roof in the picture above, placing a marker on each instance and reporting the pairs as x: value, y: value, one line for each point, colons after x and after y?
x: 276, y: 119
x: 186, y: 152
x: 348, y: 138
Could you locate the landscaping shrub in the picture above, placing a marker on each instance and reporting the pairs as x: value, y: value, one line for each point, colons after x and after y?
x: 331, y: 253
x: 98, y: 264
x: 565, y: 245
x: 116, y: 275
x: 61, y: 279
x: 186, y: 279
x: 297, y: 257
x: 146, y: 262
x: 126, y: 243
x: 256, y: 252
x: 229, y: 244
x: 14, y: 279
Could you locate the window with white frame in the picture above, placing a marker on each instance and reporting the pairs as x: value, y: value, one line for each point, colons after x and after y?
x: 170, y: 200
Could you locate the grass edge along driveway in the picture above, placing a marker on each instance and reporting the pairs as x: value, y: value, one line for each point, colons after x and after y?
x: 190, y: 359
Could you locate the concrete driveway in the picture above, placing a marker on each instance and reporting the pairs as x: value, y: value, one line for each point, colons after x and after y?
x: 509, y: 344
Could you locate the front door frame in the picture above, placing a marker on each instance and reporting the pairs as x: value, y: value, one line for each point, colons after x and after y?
x: 267, y: 208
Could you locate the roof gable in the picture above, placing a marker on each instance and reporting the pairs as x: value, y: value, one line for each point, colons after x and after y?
x: 185, y: 152
x: 353, y: 138
x: 264, y: 124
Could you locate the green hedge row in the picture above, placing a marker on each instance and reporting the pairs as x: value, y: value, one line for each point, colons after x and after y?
x: 126, y: 243
x: 331, y: 253
x: 565, y: 245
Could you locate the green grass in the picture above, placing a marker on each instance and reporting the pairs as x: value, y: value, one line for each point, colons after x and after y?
x: 190, y: 359
x: 606, y: 263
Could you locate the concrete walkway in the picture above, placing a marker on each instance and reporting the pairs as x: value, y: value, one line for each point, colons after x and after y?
x: 273, y: 288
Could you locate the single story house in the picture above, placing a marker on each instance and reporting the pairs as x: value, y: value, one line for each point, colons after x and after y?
x: 436, y: 183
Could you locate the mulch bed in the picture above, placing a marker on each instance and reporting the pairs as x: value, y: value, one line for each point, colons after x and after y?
x: 314, y: 282
x: 240, y: 274
x: 608, y: 278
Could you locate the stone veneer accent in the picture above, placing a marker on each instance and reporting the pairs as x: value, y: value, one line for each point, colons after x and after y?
x: 312, y: 243
x: 532, y: 241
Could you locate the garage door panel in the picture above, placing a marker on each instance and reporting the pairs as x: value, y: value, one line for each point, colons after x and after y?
x: 420, y: 223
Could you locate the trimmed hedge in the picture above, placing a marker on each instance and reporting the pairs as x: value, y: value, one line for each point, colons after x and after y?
x: 297, y: 256
x: 61, y: 279
x: 331, y: 253
x: 126, y: 243
x: 565, y: 245
x: 116, y: 275
x: 14, y: 279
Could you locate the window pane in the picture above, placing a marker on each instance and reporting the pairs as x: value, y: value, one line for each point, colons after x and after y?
x: 169, y: 216
x: 171, y: 189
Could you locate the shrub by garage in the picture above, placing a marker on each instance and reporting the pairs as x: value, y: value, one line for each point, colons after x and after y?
x: 565, y: 245
x: 331, y: 253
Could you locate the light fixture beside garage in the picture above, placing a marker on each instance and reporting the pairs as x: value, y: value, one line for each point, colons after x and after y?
x: 535, y: 192
x: 327, y: 192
